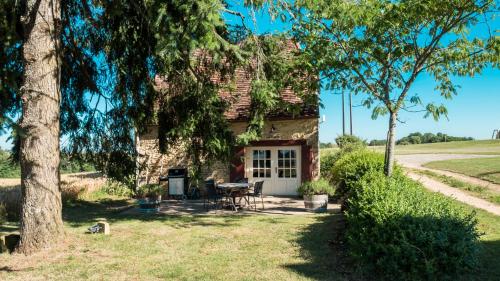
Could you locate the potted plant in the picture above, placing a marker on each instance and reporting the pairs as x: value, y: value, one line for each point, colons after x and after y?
x: 149, y: 196
x: 316, y: 194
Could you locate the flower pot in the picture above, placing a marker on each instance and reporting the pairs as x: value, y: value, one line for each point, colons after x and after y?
x: 316, y: 203
x: 148, y: 203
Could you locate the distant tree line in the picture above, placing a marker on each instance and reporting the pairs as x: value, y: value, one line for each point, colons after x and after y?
x: 418, y: 138
x: 11, y: 169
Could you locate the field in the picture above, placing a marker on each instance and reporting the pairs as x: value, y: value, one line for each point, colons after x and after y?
x: 457, y: 147
x: 483, y: 168
x: 486, y: 147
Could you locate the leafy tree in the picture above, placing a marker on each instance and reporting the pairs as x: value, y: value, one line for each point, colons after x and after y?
x: 90, y: 72
x: 380, y: 47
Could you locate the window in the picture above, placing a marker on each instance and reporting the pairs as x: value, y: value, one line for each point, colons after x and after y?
x: 287, y: 163
x: 261, y: 163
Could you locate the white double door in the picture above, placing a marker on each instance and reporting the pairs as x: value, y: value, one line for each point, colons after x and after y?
x: 278, y: 166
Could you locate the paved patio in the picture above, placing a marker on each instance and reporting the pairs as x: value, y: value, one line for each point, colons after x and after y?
x: 273, y: 205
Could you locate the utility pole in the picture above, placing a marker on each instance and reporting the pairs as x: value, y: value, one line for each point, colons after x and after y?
x: 350, y: 110
x: 343, y: 115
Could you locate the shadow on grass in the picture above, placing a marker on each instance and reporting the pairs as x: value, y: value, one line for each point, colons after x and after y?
x: 323, y: 247
x: 489, y: 262
x: 85, y: 213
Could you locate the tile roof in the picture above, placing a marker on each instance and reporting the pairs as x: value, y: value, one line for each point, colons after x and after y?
x: 238, y: 96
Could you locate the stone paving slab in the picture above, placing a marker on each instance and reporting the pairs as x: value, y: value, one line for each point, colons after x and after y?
x: 273, y: 205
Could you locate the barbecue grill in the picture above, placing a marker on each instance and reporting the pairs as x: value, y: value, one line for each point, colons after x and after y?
x: 177, y: 182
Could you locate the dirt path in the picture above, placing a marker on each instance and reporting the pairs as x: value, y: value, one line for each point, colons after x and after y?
x: 416, y: 161
x: 457, y: 194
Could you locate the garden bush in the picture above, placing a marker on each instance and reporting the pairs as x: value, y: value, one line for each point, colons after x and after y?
x: 352, y: 166
x: 399, y: 231
x: 116, y: 188
x: 328, y: 160
x: 149, y: 190
x: 3, y: 214
x: 349, y: 140
x: 318, y: 187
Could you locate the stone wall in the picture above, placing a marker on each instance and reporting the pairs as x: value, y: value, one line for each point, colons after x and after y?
x: 152, y: 163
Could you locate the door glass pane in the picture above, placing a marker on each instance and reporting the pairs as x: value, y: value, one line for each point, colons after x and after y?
x: 287, y: 173
x: 261, y: 164
x: 287, y: 163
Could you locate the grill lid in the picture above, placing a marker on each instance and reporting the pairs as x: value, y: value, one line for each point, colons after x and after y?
x: 177, y: 172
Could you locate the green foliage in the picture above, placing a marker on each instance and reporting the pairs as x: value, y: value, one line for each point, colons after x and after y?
x: 117, y: 188
x: 149, y: 190
x: 399, y: 231
x: 326, y: 145
x: 7, y: 168
x: 377, y: 142
x: 326, y: 164
x: 417, y: 138
x: 352, y: 166
x: 10, y: 169
x: 379, y: 48
x: 349, y: 140
x: 3, y: 214
x: 319, y: 187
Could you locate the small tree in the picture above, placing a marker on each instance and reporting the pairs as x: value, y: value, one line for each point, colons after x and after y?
x: 380, y: 47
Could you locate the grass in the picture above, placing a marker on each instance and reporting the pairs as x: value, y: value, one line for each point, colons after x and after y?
x: 486, y: 147
x: 159, y: 247
x: 483, y: 168
x: 489, y: 256
x: 475, y: 190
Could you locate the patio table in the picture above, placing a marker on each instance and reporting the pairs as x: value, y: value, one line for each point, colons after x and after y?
x: 232, y: 189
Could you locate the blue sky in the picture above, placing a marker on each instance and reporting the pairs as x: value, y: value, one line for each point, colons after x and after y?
x: 474, y: 112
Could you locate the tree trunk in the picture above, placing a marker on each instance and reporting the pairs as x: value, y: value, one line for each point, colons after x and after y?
x: 391, y: 144
x: 41, y: 220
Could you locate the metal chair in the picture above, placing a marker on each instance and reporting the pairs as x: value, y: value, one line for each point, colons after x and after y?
x: 211, y: 195
x: 257, y: 192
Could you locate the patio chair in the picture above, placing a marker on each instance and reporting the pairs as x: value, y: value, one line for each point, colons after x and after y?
x: 257, y: 192
x: 212, y: 196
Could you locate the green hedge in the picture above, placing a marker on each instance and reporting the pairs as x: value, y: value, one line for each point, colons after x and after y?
x: 399, y: 231
x: 351, y: 167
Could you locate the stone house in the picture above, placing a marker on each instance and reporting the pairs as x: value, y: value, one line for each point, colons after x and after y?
x: 285, y: 156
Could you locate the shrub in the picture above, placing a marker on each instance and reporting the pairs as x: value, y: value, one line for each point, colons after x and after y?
x: 149, y: 190
x: 116, y: 188
x: 3, y: 214
x: 318, y: 187
x: 354, y: 165
x: 399, y: 231
x: 10, y: 198
x: 326, y: 163
x: 328, y: 160
x: 349, y: 140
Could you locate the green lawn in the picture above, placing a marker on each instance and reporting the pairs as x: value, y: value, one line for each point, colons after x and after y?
x: 484, y: 168
x: 159, y: 247
x: 486, y: 147
x: 475, y: 190
x: 461, y: 147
